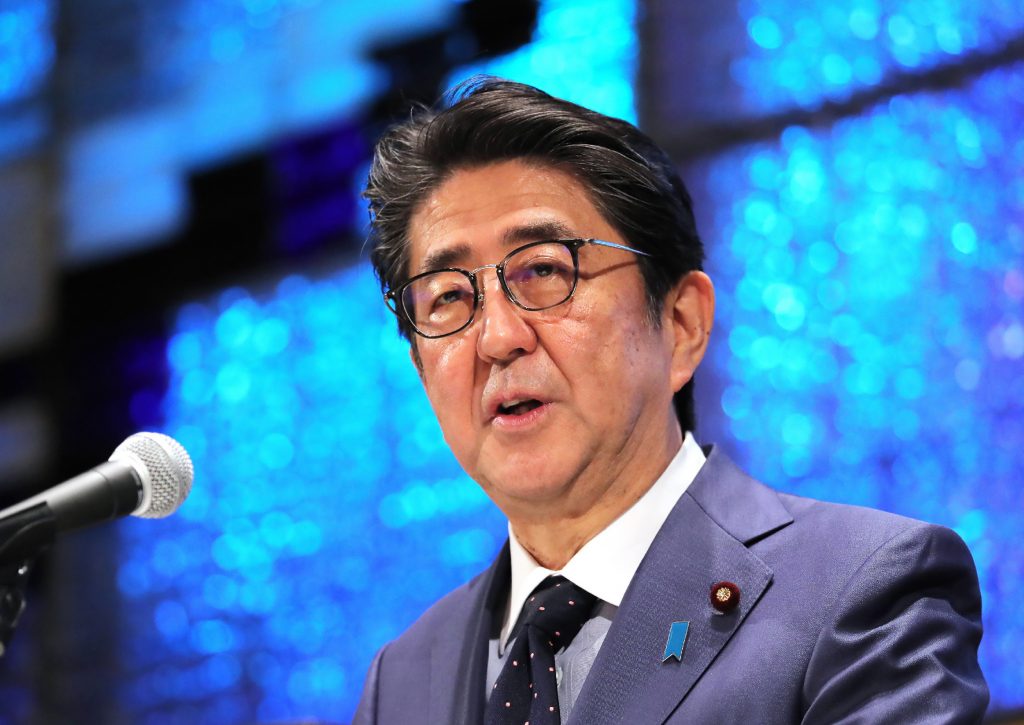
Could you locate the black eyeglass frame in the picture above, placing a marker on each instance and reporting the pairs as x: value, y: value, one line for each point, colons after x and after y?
x: 392, y: 298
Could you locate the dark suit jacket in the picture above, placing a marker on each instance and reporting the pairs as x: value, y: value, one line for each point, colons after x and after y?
x: 846, y: 615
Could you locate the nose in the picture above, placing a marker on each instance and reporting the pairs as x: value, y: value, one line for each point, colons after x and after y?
x: 505, y: 333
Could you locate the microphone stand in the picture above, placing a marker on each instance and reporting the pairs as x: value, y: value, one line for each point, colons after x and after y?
x: 23, y: 536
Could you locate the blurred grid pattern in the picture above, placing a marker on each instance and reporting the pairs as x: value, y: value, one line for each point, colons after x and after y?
x: 872, y: 286
x: 152, y: 91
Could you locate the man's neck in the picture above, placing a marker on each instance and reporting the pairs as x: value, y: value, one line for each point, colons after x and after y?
x: 553, y: 537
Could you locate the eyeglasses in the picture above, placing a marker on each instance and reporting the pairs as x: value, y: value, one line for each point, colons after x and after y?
x: 536, y: 276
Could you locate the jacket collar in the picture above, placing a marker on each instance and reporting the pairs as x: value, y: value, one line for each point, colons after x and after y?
x: 704, y: 540
x: 743, y: 507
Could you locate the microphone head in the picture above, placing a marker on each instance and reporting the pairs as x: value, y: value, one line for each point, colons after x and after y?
x: 163, y: 467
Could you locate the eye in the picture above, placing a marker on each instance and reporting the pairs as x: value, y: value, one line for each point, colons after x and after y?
x: 542, y: 269
x: 451, y: 297
x: 438, y: 296
x: 445, y: 291
x: 539, y: 267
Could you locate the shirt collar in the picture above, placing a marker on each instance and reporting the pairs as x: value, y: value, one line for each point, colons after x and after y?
x: 606, y: 564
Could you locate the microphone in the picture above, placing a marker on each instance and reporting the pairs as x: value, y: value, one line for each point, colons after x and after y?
x: 148, y: 475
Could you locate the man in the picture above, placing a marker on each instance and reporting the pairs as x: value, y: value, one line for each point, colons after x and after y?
x: 543, y: 261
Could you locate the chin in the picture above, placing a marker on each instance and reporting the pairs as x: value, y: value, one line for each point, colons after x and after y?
x: 527, y: 484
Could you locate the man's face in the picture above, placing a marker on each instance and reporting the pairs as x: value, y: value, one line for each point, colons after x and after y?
x: 545, y: 410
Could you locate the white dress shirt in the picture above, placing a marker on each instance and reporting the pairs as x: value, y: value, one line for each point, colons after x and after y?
x: 604, y: 567
x: 606, y: 564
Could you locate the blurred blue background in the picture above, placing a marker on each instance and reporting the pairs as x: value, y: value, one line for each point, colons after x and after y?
x: 182, y: 250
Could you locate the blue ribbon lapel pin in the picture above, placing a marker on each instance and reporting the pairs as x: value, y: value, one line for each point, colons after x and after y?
x: 676, y: 643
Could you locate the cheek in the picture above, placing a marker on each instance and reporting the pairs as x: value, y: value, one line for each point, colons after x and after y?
x: 448, y: 377
x: 620, y: 366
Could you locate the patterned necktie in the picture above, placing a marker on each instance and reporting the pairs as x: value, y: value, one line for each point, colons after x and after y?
x: 526, y: 691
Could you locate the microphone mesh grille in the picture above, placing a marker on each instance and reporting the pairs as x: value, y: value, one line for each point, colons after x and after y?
x: 169, y: 469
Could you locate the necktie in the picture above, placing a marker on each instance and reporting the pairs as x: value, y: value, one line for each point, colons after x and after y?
x: 526, y: 691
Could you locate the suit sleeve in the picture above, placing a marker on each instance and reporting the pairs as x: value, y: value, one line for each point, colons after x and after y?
x: 901, y: 644
x: 366, y: 711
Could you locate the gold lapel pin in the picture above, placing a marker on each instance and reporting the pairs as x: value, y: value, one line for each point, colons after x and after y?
x: 725, y: 597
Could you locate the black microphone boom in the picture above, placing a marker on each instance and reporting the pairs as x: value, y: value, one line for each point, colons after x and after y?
x: 108, y: 491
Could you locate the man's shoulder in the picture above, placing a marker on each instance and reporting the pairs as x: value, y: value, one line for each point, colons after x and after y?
x: 808, y: 538
x: 831, y: 548
x: 860, y: 522
x: 861, y: 530
x: 747, y: 498
x: 434, y: 646
x: 450, y: 612
x: 851, y: 590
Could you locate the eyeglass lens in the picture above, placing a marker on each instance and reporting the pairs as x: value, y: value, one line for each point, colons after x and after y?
x: 537, y: 277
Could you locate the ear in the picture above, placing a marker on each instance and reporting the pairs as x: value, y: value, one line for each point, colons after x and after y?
x: 689, y: 314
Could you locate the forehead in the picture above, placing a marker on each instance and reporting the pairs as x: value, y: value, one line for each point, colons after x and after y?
x: 480, y: 213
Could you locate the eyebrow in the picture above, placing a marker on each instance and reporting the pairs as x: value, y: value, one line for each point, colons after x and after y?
x: 536, y: 231
x: 523, y: 233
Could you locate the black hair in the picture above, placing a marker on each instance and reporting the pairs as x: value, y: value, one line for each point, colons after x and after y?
x: 631, y: 181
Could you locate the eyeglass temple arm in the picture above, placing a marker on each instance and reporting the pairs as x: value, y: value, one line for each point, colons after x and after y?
x: 613, y: 245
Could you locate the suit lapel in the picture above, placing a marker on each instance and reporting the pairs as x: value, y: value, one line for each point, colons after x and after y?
x: 703, y: 541
x: 458, y: 658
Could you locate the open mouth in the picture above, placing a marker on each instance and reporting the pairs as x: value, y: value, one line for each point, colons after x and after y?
x: 518, y: 407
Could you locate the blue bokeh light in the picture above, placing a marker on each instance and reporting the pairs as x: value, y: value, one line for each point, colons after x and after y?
x: 802, y: 53
x: 582, y: 51
x: 327, y: 512
x: 27, y: 49
x: 872, y: 294
x: 870, y: 278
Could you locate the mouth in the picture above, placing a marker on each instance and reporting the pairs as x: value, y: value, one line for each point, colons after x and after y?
x: 518, y: 407
x: 514, y: 409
